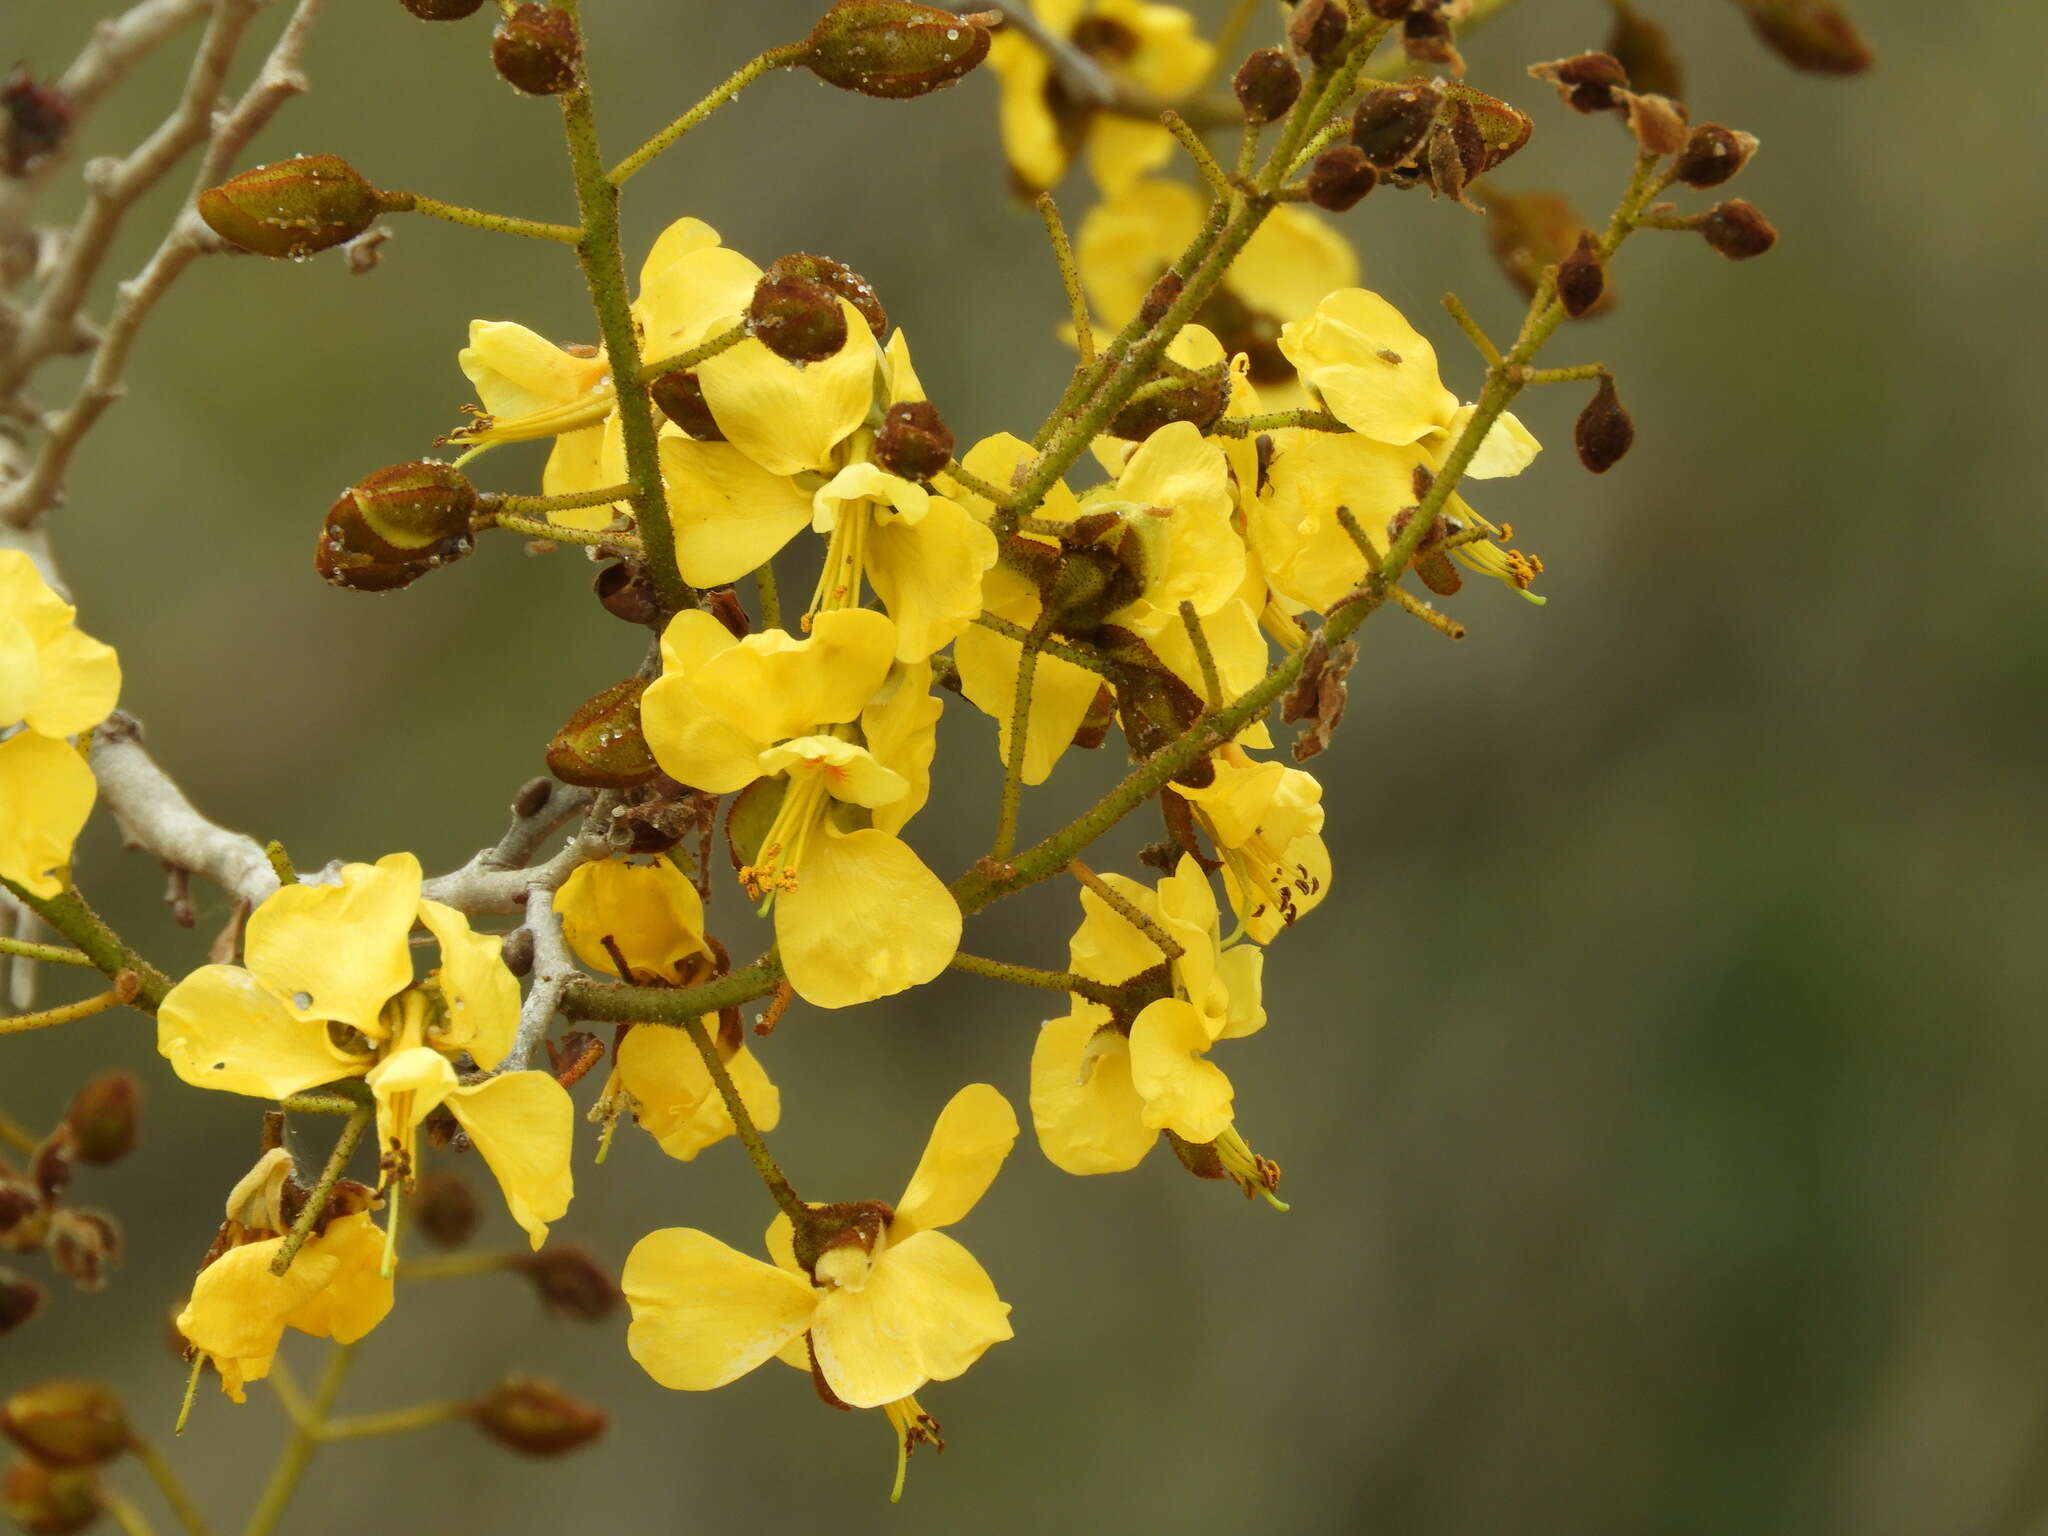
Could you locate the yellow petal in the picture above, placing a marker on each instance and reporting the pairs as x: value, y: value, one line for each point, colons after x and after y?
x: 585, y: 460
x: 651, y: 911
x: 409, y: 1085
x: 926, y: 1313
x: 693, y: 744
x: 1507, y: 449
x: 1088, y: 1117
x: 1126, y: 241
x: 704, y: 1314
x: 1306, y: 552
x: 678, y: 1105
x: 1182, y: 1090
x: 975, y: 1132
x: 1374, y: 370
x: 928, y: 574
x: 691, y: 298
x: 863, y: 481
x: 46, y: 796
x: 73, y: 680
x: 851, y: 773
x: 866, y: 920
x: 1241, y: 969
x: 731, y: 515
x: 1108, y: 947
x: 523, y: 1123
x: 1122, y: 150
x: 774, y: 686
x: 1061, y: 692
x: 904, y: 385
x: 901, y: 728
x: 518, y: 372
x: 238, y: 1308
x: 481, y: 994
x: 21, y: 668
x: 359, y: 1296
x: 788, y: 417
x: 1031, y: 137
x: 339, y: 952
x: 222, y: 1028
x: 997, y: 460
x: 1292, y: 264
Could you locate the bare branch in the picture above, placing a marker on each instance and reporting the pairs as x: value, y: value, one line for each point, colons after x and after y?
x: 554, y: 965
x: 154, y: 815
x: 494, y: 880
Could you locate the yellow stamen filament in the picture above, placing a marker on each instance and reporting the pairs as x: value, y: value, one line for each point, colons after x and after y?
x: 782, y: 850
x: 1254, y: 1174
x: 588, y: 411
x: 914, y: 1427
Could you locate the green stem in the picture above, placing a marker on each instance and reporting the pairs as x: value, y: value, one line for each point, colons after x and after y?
x: 739, y: 80
x: 743, y: 1122
x: 710, y: 347
x: 316, y: 1198
x: 476, y: 218
x: 1212, y: 682
x: 1020, y: 735
x: 133, y: 1521
x: 1100, y: 665
x: 396, y: 1421
x: 492, y: 504
x: 457, y: 1266
x: 1033, y: 976
x: 49, y: 954
x: 1277, y: 421
x: 341, y: 1099
x: 69, y: 914
x: 545, y: 528
x: 70, y: 1013
x: 1070, y: 280
x: 771, y: 595
x: 1205, y: 162
x: 603, y: 260
x: 299, y: 1450
x: 620, y: 1004
x: 18, y: 1137
x: 165, y: 1476
x: 1126, y: 909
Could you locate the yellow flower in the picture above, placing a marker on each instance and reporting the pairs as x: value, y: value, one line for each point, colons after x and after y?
x: 655, y: 918
x: 924, y: 555
x: 54, y: 683
x: 877, y: 1301
x: 857, y: 914
x: 1103, y: 1085
x: 1284, y: 272
x: 328, y: 993
x: 1152, y: 47
x: 1266, y: 821
x: 334, y: 1289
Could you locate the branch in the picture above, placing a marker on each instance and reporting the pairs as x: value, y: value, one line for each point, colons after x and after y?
x: 497, y: 879
x: 554, y: 964
x: 1089, y: 84
x: 154, y: 815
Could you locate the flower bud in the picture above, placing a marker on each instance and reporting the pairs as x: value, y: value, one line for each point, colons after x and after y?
x: 1587, y: 82
x: 442, y: 1205
x: 536, y: 1417
x: 1644, y: 50
x: 20, y: 1299
x: 1426, y: 39
x: 49, y: 1501
x: 1388, y: 10
x: 1391, y: 123
x: 1531, y: 232
x: 292, y: 208
x: 571, y: 1283
x: 1093, y: 730
x: 914, y: 441
x: 394, y: 526
x: 601, y: 747
x: 66, y: 1423
x: 797, y: 319
x: 102, y: 1119
x: 624, y: 592
x: 19, y: 1205
x: 1581, y: 279
x: 1738, y: 230
x: 841, y: 279
x: 679, y: 395
x: 1318, y: 27
x: 1474, y: 132
x: 442, y: 10
x: 537, y: 50
x: 1340, y: 178
x: 1605, y: 431
x: 51, y: 1167
x: 893, y: 50
x: 1713, y: 156
x: 1658, y: 123
x: 1813, y: 35
x: 1267, y: 85
x: 35, y: 120
x: 85, y: 1246
x: 1200, y: 400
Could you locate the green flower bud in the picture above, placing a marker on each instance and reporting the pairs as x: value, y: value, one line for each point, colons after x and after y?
x: 66, y: 1423
x: 292, y: 208
x: 394, y: 526
x: 893, y: 50
x: 601, y: 747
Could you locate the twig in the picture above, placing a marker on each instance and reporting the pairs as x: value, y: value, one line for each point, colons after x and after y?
x: 495, y: 879
x: 554, y: 964
x: 154, y: 815
x: 316, y: 1198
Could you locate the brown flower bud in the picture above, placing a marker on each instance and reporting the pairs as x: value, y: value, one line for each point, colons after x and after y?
x: 1200, y: 400
x: 1531, y: 232
x: 1581, y: 279
x: 293, y: 207
x: 103, y: 1117
x: 601, y: 747
x: 1340, y: 178
x: 1738, y: 230
x: 1586, y: 82
x: 1714, y: 155
x: 538, y: 50
x: 1658, y: 123
x: 35, y: 120
x: 1474, y: 133
x: 1605, y: 431
x: 85, y: 1246
x: 19, y: 1205
x: 893, y: 50
x: 442, y: 10
x: 797, y: 319
x: 571, y: 1284
x: 533, y: 797
x: 66, y: 1423
x: 394, y: 526
x: 517, y: 952
x: 1644, y: 49
x: 1267, y: 85
x: 1391, y: 123
x: 841, y: 279
x: 1161, y: 297
x: 1317, y: 27
x: 1813, y: 35
x: 536, y: 1417
x: 624, y: 592
x: 50, y: 1168
x: 49, y: 1501
x: 442, y: 1205
x: 914, y: 442
x: 20, y: 1299
x: 679, y: 395
x: 1426, y: 39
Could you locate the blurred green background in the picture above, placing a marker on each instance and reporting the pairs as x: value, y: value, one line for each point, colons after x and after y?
x: 1662, y: 1108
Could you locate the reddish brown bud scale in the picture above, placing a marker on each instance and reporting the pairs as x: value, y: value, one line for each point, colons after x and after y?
x: 394, y: 526
x: 292, y: 208
x: 1713, y: 156
x: 1340, y: 178
x: 1267, y: 85
x: 1605, y: 430
x: 1581, y: 279
x: 571, y: 1284
x: 841, y: 279
x: 537, y: 50
x: 20, y: 1299
x: 679, y: 395
x: 1391, y: 123
x: 1658, y: 123
x: 442, y: 1205
x: 893, y: 50
x: 536, y: 1417
x: 1814, y: 35
x: 914, y: 442
x: 66, y: 1423
x: 797, y: 319
x: 1738, y: 230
